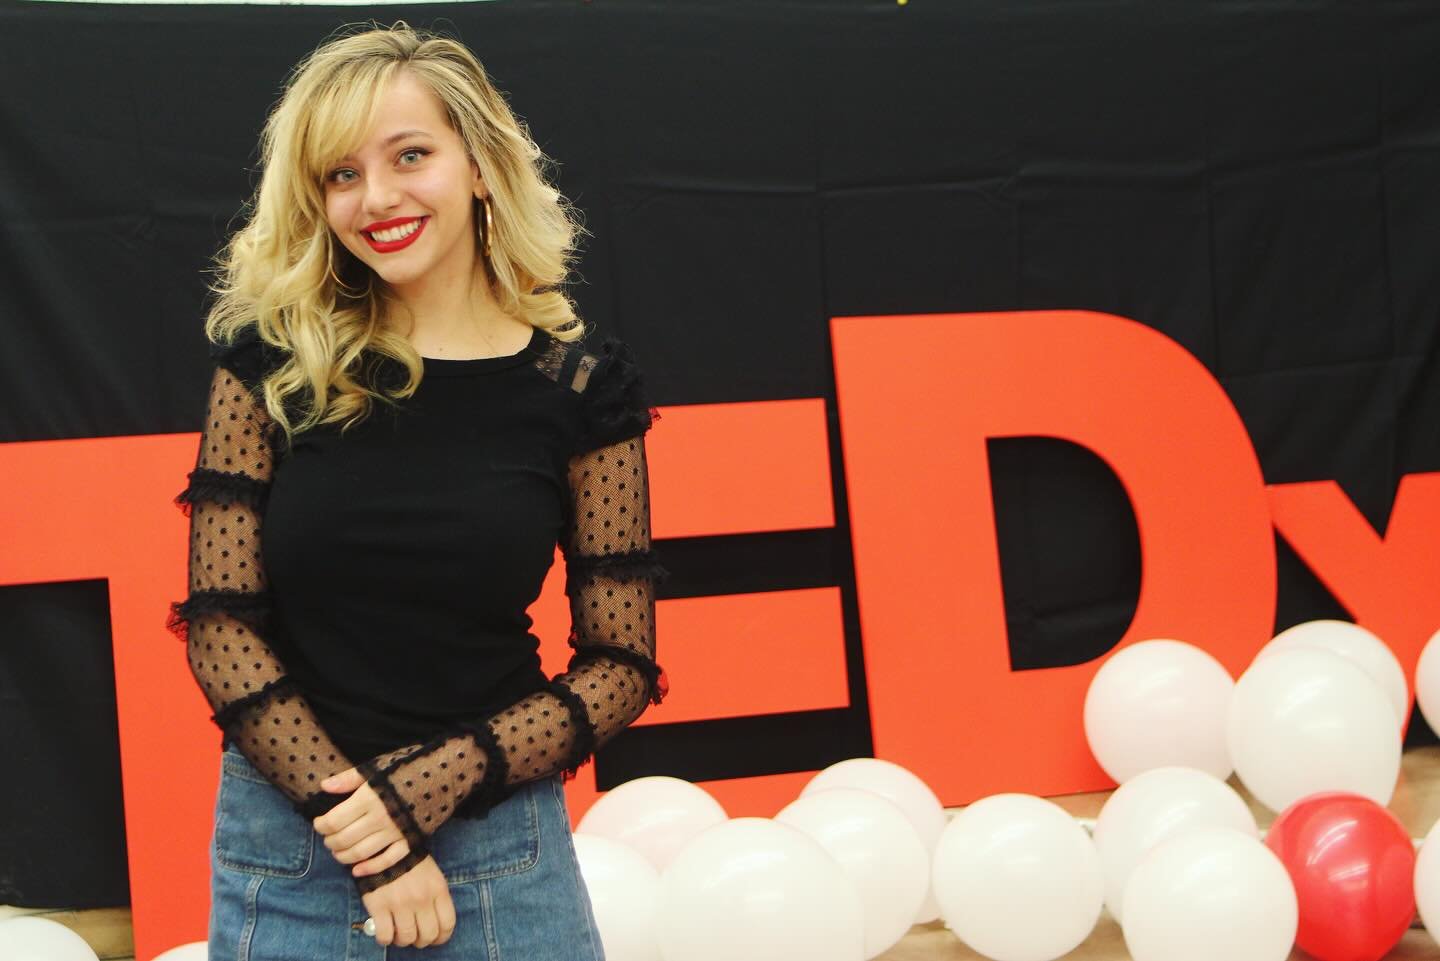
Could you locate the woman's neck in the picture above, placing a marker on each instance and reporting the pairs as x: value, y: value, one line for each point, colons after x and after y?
x: 460, y: 323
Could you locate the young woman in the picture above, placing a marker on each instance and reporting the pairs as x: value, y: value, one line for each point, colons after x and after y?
x: 401, y: 427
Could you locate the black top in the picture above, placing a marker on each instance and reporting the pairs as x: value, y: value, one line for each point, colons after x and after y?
x: 381, y: 620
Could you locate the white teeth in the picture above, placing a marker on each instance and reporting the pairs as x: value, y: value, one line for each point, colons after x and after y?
x: 394, y: 234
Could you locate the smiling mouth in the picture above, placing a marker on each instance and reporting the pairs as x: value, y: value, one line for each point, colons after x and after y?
x: 386, y: 246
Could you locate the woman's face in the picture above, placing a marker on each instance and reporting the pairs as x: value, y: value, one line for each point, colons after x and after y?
x: 412, y: 167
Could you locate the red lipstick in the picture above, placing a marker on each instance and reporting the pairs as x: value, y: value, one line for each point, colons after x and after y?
x: 394, y: 245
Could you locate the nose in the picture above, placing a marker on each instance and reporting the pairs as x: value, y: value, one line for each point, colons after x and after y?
x: 382, y: 195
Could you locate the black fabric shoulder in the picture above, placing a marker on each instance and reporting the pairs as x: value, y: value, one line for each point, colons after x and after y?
x: 247, y: 356
x: 614, y: 403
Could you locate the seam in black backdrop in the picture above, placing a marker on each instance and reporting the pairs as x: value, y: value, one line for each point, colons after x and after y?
x: 1258, y: 181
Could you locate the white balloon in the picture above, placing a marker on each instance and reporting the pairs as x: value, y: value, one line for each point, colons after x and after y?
x: 29, y: 938
x: 1207, y: 894
x: 906, y: 790
x: 756, y: 889
x: 1159, y: 703
x: 194, y: 951
x: 1427, y: 881
x: 929, y: 909
x: 879, y: 850
x: 1156, y: 805
x: 1427, y: 681
x: 1306, y: 720
x: 1356, y: 643
x: 624, y: 890
x: 1018, y: 879
x: 656, y: 816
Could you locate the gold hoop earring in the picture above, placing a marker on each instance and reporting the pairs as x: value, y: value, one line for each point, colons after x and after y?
x: 350, y: 291
x: 488, y: 226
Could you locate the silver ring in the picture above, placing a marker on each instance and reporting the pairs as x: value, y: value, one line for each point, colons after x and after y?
x: 369, y: 927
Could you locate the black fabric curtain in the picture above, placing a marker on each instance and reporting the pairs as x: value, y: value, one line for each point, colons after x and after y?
x: 1259, y: 181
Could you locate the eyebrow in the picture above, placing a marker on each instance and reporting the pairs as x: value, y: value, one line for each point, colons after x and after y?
x: 398, y: 136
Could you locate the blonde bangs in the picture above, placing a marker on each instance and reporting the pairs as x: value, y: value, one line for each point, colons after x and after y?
x: 341, y: 113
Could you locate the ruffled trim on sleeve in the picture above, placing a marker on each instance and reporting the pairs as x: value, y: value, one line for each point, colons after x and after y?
x: 657, y: 684
x: 583, y: 747
x: 250, y: 608
x: 492, y: 788
x: 221, y: 487
x: 615, y: 405
x: 228, y: 717
x: 629, y: 566
x: 378, y: 777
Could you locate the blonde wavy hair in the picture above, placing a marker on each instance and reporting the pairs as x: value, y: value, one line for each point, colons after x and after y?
x: 275, y: 273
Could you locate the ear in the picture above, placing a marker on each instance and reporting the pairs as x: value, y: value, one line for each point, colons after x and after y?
x: 477, y: 183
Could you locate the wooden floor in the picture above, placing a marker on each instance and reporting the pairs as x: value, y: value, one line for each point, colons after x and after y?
x: 1416, y: 803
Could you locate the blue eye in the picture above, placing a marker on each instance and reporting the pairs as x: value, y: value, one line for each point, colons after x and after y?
x: 334, y: 175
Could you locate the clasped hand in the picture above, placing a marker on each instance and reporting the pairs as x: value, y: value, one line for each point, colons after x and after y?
x: 415, y: 909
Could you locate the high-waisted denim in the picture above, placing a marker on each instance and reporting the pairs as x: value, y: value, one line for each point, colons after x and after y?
x: 278, y: 894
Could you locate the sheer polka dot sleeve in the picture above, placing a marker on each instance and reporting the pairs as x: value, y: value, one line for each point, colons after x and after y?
x: 612, y: 675
x: 225, y: 618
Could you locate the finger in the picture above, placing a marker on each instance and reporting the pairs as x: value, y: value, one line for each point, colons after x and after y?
x: 340, y: 816
x: 366, y: 848
x: 391, y: 855
x: 346, y: 781
x: 445, y: 915
x: 404, y: 927
x: 359, y: 840
x: 384, y: 925
x: 427, y: 924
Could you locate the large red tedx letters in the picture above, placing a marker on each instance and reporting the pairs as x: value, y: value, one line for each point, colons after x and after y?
x: 943, y: 700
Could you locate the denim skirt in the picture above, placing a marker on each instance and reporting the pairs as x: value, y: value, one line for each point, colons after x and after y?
x: 278, y: 894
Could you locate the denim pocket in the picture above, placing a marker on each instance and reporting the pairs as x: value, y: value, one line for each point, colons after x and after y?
x: 257, y: 830
x: 506, y: 841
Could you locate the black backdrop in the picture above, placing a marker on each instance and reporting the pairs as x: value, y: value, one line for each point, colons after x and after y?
x: 1260, y: 181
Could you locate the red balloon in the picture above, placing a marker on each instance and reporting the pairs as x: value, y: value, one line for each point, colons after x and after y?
x: 1353, y: 865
